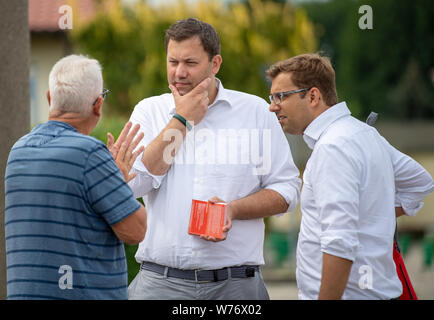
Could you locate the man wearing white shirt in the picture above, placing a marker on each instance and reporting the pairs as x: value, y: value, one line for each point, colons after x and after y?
x: 206, y: 142
x: 354, y: 185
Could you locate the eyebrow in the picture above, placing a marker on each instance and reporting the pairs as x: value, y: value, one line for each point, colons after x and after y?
x: 186, y: 59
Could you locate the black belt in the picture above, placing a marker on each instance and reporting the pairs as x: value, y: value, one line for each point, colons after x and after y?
x: 201, y: 275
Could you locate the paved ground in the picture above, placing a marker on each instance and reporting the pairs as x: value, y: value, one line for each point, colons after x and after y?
x: 285, y: 290
x: 422, y: 278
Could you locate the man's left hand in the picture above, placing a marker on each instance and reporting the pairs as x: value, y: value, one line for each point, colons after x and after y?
x: 228, y: 224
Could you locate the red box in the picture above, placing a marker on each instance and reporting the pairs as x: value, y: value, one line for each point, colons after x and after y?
x: 207, y: 219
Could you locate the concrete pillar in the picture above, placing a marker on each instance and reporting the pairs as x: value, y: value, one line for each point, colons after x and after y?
x: 14, y: 97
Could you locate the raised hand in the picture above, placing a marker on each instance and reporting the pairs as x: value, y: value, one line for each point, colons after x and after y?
x: 123, y: 149
x: 193, y: 105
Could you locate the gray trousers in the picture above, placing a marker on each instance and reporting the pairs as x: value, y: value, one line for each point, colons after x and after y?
x: 149, y: 285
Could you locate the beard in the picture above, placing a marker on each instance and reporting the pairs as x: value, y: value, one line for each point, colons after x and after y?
x: 183, y: 86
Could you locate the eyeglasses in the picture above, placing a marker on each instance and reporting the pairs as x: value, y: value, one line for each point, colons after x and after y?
x: 277, y: 97
x: 103, y: 95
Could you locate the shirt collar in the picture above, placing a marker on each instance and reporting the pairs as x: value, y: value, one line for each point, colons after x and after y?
x: 222, y: 95
x: 59, y: 125
x: 317, y: 127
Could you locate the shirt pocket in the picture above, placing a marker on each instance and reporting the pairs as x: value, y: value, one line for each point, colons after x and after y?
x: 234, y: 170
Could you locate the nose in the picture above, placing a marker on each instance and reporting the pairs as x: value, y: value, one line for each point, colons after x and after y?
x: 274, y: 107
x: 181, y: 71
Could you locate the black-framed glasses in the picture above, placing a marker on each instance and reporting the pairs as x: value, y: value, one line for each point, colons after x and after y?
x: 103, y: 95
x: 277, y: 97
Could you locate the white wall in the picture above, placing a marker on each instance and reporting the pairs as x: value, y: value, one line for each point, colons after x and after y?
x: 46, y: 50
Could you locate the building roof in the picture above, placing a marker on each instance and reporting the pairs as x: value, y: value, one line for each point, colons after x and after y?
x: 44, y: 15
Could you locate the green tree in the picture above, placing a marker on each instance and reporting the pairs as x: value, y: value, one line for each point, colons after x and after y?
x: 389, y: 68
x: 129, y: 42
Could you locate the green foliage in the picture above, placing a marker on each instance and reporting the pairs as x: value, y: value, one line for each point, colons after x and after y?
x: 129, y: 42
x: 388, y: 69
x: 111, y: 124
x: 132, y: 265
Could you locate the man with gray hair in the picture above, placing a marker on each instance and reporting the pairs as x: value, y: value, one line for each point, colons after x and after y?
x: 68, y: 206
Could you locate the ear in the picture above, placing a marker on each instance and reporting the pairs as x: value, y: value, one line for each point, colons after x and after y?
x: 97, y: 108
x: 216, y: 63
x: 314, y: 96
x: 49, y: 97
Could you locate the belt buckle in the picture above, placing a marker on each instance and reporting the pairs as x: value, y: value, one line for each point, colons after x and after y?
x: 196, y: 278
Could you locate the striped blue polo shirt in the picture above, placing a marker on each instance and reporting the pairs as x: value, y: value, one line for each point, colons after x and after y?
x: 63, y: 192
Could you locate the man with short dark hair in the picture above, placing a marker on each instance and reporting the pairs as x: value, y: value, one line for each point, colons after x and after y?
x: 207, y: 143
x: 68, y: 206
x: 352, y: 183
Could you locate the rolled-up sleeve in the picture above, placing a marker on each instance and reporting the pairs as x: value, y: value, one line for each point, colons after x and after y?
x: 279, y: 172
x: 412, y: 182
x: 144, y: 181
x: 336, y: 192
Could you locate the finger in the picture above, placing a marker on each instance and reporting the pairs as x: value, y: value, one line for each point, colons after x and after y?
x: 121, y: 153
x: 132, y: 146
x: 174, y: 90
x: 135, y: 155
x: 203, y: 85
x: 131, y: 134
x: 113, y: 148
x: 134, y: 131
x: 227, y: 226
x: 124, y: 133
x: 209, y: 238
x: 215, y: 200
x: 205, y: 99
x: 137, y: 140
x: 131, y: 177
x: 110, y: 140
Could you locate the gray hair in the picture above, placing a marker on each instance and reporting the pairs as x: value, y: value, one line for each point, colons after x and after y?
x: 75, y: 83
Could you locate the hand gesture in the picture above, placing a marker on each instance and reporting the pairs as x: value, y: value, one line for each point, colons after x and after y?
x: 122, y: 149
x: 193, y: 105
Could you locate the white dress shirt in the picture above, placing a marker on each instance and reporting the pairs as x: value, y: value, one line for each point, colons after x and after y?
x: 236, y: 150
x: 351, y: 184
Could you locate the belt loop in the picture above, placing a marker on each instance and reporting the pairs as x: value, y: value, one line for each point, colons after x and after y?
x: 166, y: 271
x: 215, y: 274
x: 250, y: 272
x: 229, y: 272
